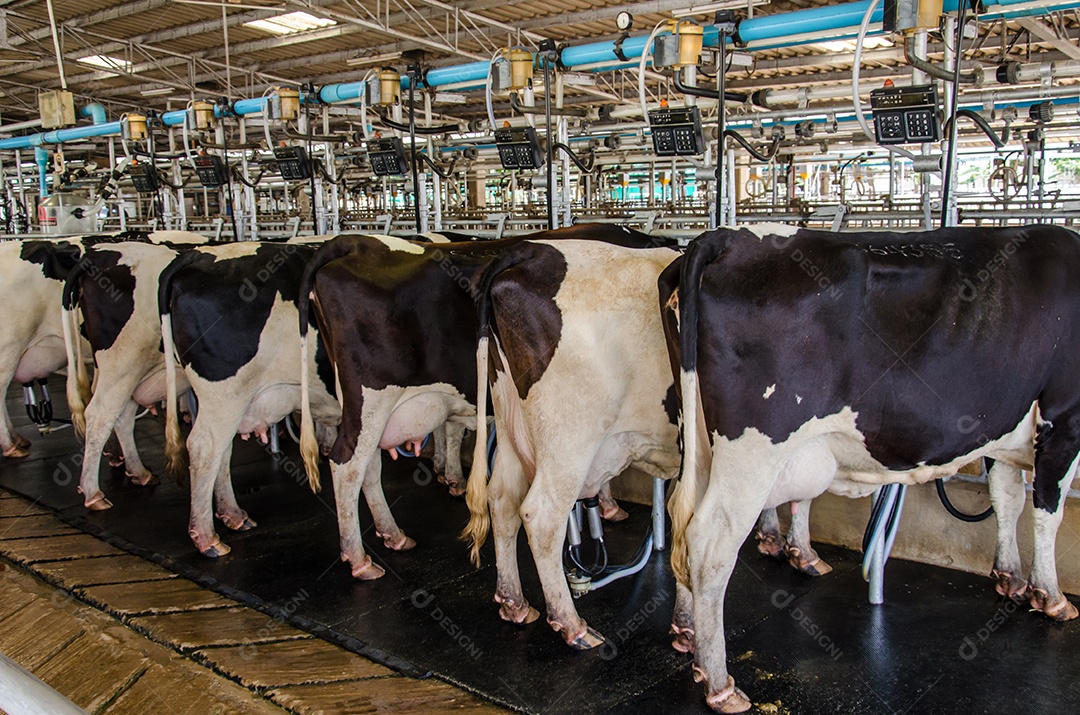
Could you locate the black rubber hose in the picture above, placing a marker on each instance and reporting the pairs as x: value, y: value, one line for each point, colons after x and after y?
x: 555, y: 111
x: 587, y: 168
x: 426, y: 131
x: 981, y: 122
x: 434, y: 167
x: 970, y: 518
x: 332, y: 138
x: 239, y: 176
x: 750, y: 148
x: 706, y: 93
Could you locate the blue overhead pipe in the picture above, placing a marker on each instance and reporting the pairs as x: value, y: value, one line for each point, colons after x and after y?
x: 41, y: 157
x: 839, y: 18
x: 94, y: 111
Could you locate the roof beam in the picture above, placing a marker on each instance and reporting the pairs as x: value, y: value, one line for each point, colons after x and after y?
x: 93, y: 18
x: 1047, y: 34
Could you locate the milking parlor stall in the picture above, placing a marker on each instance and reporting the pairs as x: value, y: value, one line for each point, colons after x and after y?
x: 454, y: 356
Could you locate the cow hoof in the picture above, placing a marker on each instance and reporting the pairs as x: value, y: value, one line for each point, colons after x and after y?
x: 245, y: 524
x: 367, y: 570
x: 587, y: 640
x: 614, y: 514
x: 21, y: 441
x: 772, y: 545
x: 457, y: 488
x: 16, y: 451
x: 1010, y: 585
x: 98, y: 502
x: 811, y: 567
x: 520, y: 614
x: 397, y: 543
x: 683, y: 640
x: 143, y: 480
x: 728, y: 700
x: 215, y: 550
x: 1060, y: 610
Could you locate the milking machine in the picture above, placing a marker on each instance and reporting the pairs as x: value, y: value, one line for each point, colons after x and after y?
x: 39, y: 406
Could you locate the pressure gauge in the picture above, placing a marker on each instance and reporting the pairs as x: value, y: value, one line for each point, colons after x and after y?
x: 624, y: 21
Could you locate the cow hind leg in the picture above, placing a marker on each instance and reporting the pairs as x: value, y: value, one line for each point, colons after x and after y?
x: 718, y: 528
x: 1055, y: 466
x: 101, y: 415
x: 544, y: 512
x: 682, y: 620
x: 226, y: 507
x: 609, y: 508
x: 771, y: 541
x: 506, y: 491
x: 451, y: 473
x: 800, y: 553
x: 348, y: 479
x: 12, y: 444
x: 125, y: 433
x: 1008, y: 497
x: 210, y: 450
x: 386, y: 526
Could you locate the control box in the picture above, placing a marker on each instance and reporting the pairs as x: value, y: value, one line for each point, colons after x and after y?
x: 519, y: 148
x: 293, y: 163
x: 906, y: 115
x: 211, y: 171
x: 676, y: 131
x: 387, y: 157
x: 144, y: 177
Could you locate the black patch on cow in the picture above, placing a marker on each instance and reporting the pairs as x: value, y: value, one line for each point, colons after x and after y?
x: 324, y: 368
x: 56, y: 258
x: 939, y: 341
x: 220, y: 308
x: 108, y: 290
x: 671, y: 404
x: 527, y: 320
x: 399, y: 318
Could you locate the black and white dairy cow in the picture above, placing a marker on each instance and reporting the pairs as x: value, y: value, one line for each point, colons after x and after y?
x: 399, y: 321
x: 821, y: 362
x: 116, y: 287
x: 229, y: 313
x: 32, y: 274
x: 581, y: 390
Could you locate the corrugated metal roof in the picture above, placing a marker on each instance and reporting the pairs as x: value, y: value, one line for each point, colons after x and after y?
x: 176, y: 34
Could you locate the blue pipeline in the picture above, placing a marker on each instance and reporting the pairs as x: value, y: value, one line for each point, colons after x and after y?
x: 839, y: 18
x: 41, y: 157
x: 94, y: 112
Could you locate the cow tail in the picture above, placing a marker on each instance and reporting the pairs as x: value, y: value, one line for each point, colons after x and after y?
x: 684, y: 499
x: 176, y: 457
x: 476, y: 495
x: 78, y: 380
x: 476, y: 492
x: 309, y: 445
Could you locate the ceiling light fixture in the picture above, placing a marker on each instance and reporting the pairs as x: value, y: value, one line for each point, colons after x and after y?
x: 290, y: 23
x: 708, y: 8
x: 373, y: 59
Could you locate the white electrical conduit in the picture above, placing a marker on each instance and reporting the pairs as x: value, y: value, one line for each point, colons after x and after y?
x: 646, y: 52
x: 487, y: 90
x: 266, y: 117
x: 187, y: 144
x: 856, y: 68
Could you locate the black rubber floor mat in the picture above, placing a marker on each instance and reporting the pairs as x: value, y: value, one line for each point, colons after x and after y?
x: 942, y: 643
